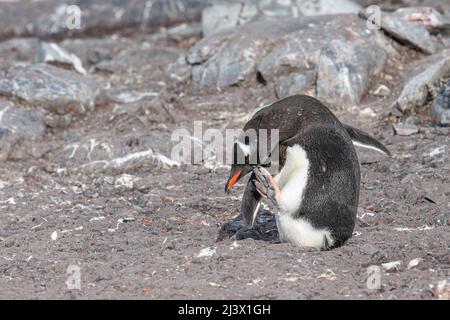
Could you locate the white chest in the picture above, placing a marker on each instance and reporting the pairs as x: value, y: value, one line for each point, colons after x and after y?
x: 292, y: 181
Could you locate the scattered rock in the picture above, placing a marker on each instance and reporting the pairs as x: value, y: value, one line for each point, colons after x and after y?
x: 440, y: 109
x: 344, y: 71
x: 425, y: 72
x: 54, y: 236
x: 126, y: 182
x: 142, y: 160
x: 327, y: 7
x: 221, y: 17
x: 140, y: 61
x: 55, y: 90
x: 441, y: 289
x: 382, y: 91
x: 293, y: 84
x: 20, y: 130
x: 409, y: 26
x: 58, y: 18
x: 343, y: 57
x: 207, y: 252
x: 18, y: 50
x: 52, y: 53
x: 442, y: 150
x: 405, y: 129
x: 391, y: 266
x: 414, y: 263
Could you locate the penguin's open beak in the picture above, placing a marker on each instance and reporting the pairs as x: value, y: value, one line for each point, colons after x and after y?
x: 232, y: 180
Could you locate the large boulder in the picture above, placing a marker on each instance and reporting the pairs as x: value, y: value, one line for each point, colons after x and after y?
x: 422, y: 75
x: 338, y: 51
x: 53, y: 89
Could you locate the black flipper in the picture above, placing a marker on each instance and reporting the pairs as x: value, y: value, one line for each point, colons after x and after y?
x: 250, y: 201
x: 364, y: 139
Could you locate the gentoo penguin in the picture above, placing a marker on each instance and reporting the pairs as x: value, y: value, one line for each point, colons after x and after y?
x: 315, y: 188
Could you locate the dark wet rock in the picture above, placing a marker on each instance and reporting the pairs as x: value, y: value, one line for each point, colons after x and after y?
x: 423, y: 74
x: 221, y: 17
x: 265, y: 50
x: 20, y: 129
x: 56, y: 18
x: 54, y: 89
x: 409, y: 26
x: 52, y: 53
x: 405, y: 129
x: 264, y: 228
x: 440, y: 109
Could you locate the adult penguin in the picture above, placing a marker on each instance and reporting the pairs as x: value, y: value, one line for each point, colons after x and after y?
x: 315, y: 186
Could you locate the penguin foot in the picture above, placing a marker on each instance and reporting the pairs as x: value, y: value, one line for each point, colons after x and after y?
x: 266, y: 186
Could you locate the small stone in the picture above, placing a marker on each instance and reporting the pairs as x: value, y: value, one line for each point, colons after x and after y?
x: 391, y: 266
x: 54, y: 235
x: 405, y: 129
x: 382, y: 91
x: 53, y: 54
x: 414, y: 263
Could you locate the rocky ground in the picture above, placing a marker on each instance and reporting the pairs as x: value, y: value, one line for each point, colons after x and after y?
x: 88, y: 182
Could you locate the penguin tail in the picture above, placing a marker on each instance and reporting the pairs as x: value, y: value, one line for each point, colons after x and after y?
x: 362, y: 139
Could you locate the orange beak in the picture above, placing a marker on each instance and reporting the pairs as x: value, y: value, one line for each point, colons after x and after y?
x: 232, y: 181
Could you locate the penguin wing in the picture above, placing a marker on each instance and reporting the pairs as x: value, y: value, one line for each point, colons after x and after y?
x: 362, y: 139
x: 250, y: 201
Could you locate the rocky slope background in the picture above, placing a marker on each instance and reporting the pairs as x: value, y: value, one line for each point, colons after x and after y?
x: 91, y: 92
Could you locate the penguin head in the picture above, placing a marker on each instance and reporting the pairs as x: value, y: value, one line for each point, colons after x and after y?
x: 240, y: 166
x: 237, y: 172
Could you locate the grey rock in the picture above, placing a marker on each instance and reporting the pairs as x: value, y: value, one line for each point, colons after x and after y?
x: 221, y: 17
x: 51, y: 53
x: 405, y: 129
x: 184, y: 31
x: 425, y: 72
x: 440, y: 109
x: 139, y: 60
x: 20, y: 129
x: 18, y: 50
x: 272, y: 49
x: 293, y: 84
x: 344, y: 71
x: 113, y: 155
x: 56, y: 90
x: 409, y: 26
x: 57, y: 18
x: 382, y: 91
x: 324, y: 7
